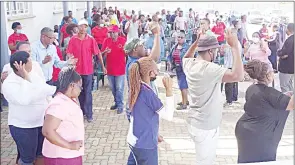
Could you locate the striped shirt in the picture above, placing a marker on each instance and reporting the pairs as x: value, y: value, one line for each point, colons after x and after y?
x: 228, y: 56
x: 176, y: 56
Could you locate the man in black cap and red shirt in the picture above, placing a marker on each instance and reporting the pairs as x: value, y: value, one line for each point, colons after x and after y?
x: 204, y: 78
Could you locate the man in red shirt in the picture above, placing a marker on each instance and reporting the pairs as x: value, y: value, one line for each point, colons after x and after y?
x: 116, y: 61
x: 99, y: 32
x: 16, y: 37
x: 83, y: 47
x: 219, y: 29
x: 264, y: 32
x: 63, y: 32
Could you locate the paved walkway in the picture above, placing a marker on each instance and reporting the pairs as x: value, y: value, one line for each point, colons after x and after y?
x: 106, y: 136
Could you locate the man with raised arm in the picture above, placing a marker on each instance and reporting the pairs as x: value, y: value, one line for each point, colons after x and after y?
x: 204, y: 79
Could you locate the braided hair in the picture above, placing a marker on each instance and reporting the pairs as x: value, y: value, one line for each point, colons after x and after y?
x: 137, y: 71
x: 257, y: 70
x: 66, y: 76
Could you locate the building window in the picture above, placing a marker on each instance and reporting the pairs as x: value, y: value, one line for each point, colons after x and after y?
x: 18, y: 8
x: 57, y: 6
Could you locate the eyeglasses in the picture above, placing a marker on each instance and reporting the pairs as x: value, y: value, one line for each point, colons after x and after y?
x: 180, y: 37
x: 49, y: 37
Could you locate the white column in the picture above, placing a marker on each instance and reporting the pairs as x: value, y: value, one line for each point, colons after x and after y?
x: 65, y: 7
x: 88, y: 8
x: 4, y: 44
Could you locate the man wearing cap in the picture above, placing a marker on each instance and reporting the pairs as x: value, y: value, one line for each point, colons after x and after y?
x: 113, y: 49
x: 204, y: 79
x: 82, y: 46
x: 16, y: 37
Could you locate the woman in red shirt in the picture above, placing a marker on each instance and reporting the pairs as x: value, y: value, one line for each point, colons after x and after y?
x: 63, y: 32
x: 100, y: 31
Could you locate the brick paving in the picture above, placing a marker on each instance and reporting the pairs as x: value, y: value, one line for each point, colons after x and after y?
x: 106, y: 137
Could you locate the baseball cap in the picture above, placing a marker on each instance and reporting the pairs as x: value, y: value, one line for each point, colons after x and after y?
x: 207, y: 42
x: 114, y: 28
x: 130, y: 46
x: 83, y: 22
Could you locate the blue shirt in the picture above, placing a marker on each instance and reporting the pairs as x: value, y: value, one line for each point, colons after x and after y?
x: 150, y: 43
x: 38, y: 54
x: 144, y: 126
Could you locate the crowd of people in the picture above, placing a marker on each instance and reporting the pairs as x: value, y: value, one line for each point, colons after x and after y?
x: 53, y: 79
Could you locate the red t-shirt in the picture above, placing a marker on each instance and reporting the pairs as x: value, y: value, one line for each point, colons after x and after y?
x: 116, y: 59
x: 63, y: 30
x: 15, y: 38
x: 56, y: 70
x: 99, y: 34
x: 263, y: 32
x: 83, y: 50
x: 219, y: 30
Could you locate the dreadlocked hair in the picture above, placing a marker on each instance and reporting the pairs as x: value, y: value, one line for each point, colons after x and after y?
x: 138, y: 70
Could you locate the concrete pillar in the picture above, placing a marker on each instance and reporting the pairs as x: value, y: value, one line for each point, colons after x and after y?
x: 4, y: 44
x: 65, y: 7
x: 89, y: 8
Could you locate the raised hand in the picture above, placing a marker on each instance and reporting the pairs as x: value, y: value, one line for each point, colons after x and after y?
x: 21, y: 69
x: 231, y: 38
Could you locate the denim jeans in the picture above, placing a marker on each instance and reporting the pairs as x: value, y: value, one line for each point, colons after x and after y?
x: 29, y: 142
x: 85, y: 97
x: 117, y: 85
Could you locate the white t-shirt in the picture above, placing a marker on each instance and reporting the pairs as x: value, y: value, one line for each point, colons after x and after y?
x: 27, y: 100
x: 133, y: 30
x: 204, y: 80
x: 180, y: 22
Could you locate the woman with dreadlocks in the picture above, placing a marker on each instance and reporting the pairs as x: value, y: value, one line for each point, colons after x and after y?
x: 146, y: 108
x: 63, y: 127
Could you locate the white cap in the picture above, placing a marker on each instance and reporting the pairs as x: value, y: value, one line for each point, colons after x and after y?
x: 83, y: 22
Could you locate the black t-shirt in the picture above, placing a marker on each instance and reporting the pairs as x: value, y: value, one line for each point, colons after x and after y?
x: 265, y: 113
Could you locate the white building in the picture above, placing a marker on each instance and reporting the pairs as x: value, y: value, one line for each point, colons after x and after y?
x: 36, y: 15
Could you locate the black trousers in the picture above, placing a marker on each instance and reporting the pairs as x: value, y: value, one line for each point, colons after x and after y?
x: 231, y: 92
